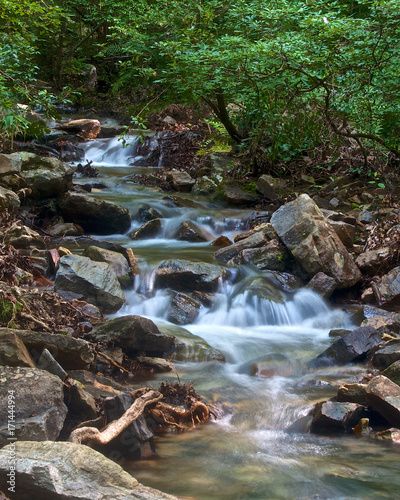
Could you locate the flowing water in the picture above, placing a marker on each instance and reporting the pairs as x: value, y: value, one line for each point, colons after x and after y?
x: 246, y: 454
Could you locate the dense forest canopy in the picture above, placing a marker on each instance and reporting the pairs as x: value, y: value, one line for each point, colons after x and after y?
x: 280, y: 76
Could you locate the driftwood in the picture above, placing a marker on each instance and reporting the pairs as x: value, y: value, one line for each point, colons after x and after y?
x: 114, y: 429
x: 181, y: 418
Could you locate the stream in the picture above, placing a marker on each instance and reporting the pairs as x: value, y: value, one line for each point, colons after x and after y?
x: 246, y: 454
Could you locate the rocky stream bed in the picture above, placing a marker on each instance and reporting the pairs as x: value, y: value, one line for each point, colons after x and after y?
x: 159, y: 327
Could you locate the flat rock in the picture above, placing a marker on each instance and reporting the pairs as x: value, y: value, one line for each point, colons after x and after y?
x: 54, y: 471
x: 181, y: 180
x: 94, y: 215
x: 302, y: 227
x: 255, y: 239
x: 65, y: 229
x: 383, y: 396
x: 95, y: 282
x: 86, y: 128
x: 353, y: 393
x: 270, y: 187
x: 39, y: 404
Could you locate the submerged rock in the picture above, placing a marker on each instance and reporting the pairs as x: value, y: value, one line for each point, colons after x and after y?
x: 53, y: 471
x: 39, y: 404
x: 184, y: 275
x: 95, y: 282
x: 307, y: 234
x: 146, y: 214
x: 94, y: 215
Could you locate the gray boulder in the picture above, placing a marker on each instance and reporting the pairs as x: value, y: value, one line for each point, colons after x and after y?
x: 94, y: 215
x: 270, y: 187
x: 304, y: 230
x: 234, y: 194
x: 95, y: 282
x: 387, y: 355
x: 149, y: 229
x: 54, y: 471
x: 273, y: 257
x: 8, y: 200
x: 190, y: 231
x: 181, y: 180
x: 115, y: 260
x: 39, y: 404
x: 184, y: 309
x: 13, y: 351
x: 322, y: 284
x: 255, y: 239
x: 387, y: 289
x: 393, y: 372
x: 10, y: 164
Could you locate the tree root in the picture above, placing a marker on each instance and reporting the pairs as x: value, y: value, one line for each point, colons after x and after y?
x: 115, y: 428
x: 181, y: 418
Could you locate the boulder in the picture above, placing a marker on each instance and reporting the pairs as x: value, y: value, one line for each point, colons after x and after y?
x: 387, y: 288
x: 115, y: 260
x: 256, y: 239
x: 270, y: 365
x: 383, y: 396
x: 387, y: 355
x: 146, y: 214
x: 354, y: 346
x: 184, y: 275
x: 270, y: 187
x: 323, y: 284
x: 304, y: 230
x: 71, y: 353
x: 393, y: 372
x: 8, y: 200
x: 95, y: 282
x: 372, y: 261
x: 134, y: 334
x: 158, y: 365
x: 273, y: 256
x: 221, y: 242
x: 39, y: 404
x: 13, y: 351
x: 180, y: 180
x: 10, y: 164
x: 94, y: 215
x: 54, y: 471
x: 183, y: 309
x: 23, y: 237
x: 204, y: 185
x: 236, y: 195
x: 81, y: 405
x: 333, y: 417
x: 147, y: 230
x: 85, y: 128
x: 345, y: 231
x: 65, y: 229
x: 190, y: 231
x: 353, y: 393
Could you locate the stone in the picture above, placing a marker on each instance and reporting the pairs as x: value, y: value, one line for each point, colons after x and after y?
x: 95, y: 282
x: 23, y: 237
x: 94, y: 215
x: 333, y: 417
x: 184, y: 275
x: 190, y: 231
x: 387, y: 355
x: 270, y: 187
x: 254, y: 240
x: 323, y: 284
x: 53, y: 471
x: 146, y: 214
x: 147, y: 230
x: 338, y: 332
x: 134, y: 335
x: 221, y: 242
x: 158, y: 365
x: 71, y: 353
x: 391, y: 435
x: 372, y: 261
x: 115, y: 260
x: 39, y: 404
x: 204, y: 185
x: 303, y: 229
x: 383, y: 396
x: 13, y: 351
x: 393, y: 372
x: 181, y: 180
x: 10, y: 164
x: 81, y: 405
x: 387, y: 288
x: 273, y: 257
x: 346, y: 232
x: 235, y: 195
x: 354, y: 346
x: 85, y: 128
x: 270, y: 365
x: 353, y: 393
x: 65, y: 229
x: 365, y: 216
x: 8, y: 200
x: 183, y: 309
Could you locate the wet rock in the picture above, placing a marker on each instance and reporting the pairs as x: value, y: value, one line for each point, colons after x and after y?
x: 222, y: 242
x: 323, y: 284
x: 302, y: 227
x: 387, y: 289
x: 158, y: 365
x: 270, y: 187
x: 271, y: 365
x: 71, y: 353
x: 387, y: 355
x: 115, y: 260
x: 39, y: 404
x: 85, y: 128
x: 189, y: 347
x: 383, y: 396
x: 235, y: 195
x: 345, y: 231
x: 184, y: 309
x: 255, y: 240
x: 65, y: 229
x: 134, y: 334
x: 338, y: 332
x: 184, y: 275
x: 273, y: 256
x: 95, y: 282
x: 190, y: 231
x: 181, y: 180
x: 393, y: 372
x: 204, y: 185
x: 353, y: 393
x: 354, y: 346
x: 391, y: 435
x: 94, y: 215
x: 300, y: 426
x: 8, y: 200
x: 146, y: 214
x: 13, y: 351
x: 333, y: 417
x: 54, y: 471
x: 373, y: 261
x: 148, y: 230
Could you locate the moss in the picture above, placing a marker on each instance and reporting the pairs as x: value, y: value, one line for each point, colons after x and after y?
x: 6, y: 312
x: 250, y: 187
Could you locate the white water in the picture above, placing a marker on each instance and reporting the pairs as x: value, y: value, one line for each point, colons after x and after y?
x: 114, y: 152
